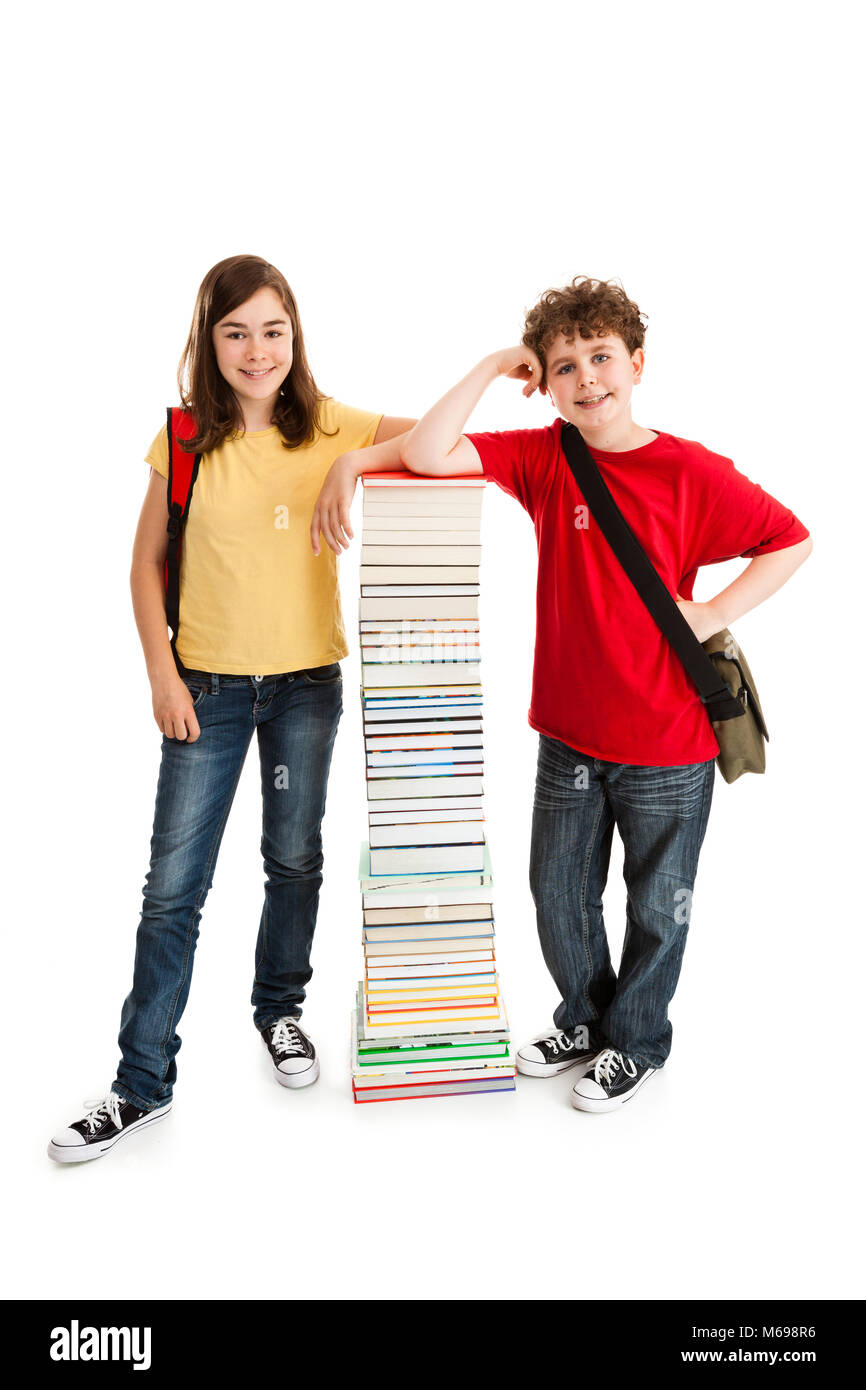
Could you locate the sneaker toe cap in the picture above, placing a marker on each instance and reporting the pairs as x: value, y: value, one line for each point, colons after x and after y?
x: 68, y: 1139
x: 590, y: 1089
x: 530, y: 1053
x: 293, y: 1066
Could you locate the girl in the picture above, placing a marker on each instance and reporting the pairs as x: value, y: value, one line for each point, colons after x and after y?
x: 257, y: 649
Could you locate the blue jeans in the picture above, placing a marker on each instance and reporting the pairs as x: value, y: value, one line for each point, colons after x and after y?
x: 661, y: 814
x: 295, y: 717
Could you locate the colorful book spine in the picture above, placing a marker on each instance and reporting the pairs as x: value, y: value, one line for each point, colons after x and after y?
x: 429, y: 1018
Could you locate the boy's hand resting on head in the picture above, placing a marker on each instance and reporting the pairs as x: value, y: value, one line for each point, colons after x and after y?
x: 522, y: 364
x: 702, y: 618
x: 173, y: 711
x: 333, y: 505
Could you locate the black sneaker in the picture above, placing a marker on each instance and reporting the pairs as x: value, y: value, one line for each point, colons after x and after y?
x: 554, y: 1052
x: 292, y: 1053
x: 613, y: 1080
x: 105, y: 1122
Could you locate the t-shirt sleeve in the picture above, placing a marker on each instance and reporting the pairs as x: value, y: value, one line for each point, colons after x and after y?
x: 356, y: 429
x: 157, y: 454
x: 513, y: 460
x: 736, y: 517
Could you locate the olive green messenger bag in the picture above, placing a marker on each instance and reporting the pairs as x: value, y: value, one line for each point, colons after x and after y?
x: 717, y: 666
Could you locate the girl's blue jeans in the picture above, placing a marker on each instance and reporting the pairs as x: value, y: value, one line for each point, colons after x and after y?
x: 295, y: 717
x: 661, y: 814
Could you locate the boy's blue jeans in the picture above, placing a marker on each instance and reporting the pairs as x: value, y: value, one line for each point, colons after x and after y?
x: 661, y: 814
x: 295, y: 717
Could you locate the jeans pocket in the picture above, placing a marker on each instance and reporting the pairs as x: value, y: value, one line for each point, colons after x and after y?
x: 323, y: 675
x: 198, y: 693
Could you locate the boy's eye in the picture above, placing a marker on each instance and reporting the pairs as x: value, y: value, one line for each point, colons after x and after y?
x: 568, y: 367
x: 601, y: 356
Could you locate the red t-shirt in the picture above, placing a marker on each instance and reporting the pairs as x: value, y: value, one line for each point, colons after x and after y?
x: 605, y: 680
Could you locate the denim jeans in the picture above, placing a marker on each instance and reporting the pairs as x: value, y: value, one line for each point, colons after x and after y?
x: 661, y: 814
x: 295, y: 717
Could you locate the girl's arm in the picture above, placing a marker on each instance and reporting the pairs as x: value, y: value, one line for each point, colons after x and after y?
x: 172, y: 702
x: 761, y: 578
x: 334, y: 502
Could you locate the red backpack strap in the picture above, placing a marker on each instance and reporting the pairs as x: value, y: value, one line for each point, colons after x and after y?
x: 182, y: 473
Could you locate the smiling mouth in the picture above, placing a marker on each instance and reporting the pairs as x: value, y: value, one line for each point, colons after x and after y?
x: 590, y: 401
x: 256, y: 376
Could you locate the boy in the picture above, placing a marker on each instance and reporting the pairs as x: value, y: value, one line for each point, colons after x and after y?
x: 623, y: 736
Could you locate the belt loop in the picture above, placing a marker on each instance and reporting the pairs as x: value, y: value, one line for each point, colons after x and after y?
x: 214, y: 683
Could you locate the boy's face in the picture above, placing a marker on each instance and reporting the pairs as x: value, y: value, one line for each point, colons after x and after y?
x: 590, y: 380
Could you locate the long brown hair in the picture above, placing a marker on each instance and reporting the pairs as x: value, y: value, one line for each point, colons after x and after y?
x: 205, y: 392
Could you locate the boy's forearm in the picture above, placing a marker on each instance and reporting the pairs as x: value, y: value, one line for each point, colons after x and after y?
x: 763, y: 577
x: 428, y: 444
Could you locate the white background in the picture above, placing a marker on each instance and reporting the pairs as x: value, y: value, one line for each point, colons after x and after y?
x: 421, y: 175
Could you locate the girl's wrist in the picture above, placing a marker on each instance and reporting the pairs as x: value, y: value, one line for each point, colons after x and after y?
x: 159, y: 673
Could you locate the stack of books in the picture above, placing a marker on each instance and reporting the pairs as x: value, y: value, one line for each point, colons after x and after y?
x: 429, y: 1017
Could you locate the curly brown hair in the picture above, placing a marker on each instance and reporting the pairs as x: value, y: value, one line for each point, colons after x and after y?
x: 203, y: 389
x: 591, y: 308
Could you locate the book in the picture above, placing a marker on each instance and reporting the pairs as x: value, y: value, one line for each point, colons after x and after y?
x: 424, y: 487
x: 419, y: 574
x: 382, y: 919
x: 446, y: 524
x: 430, y: 949
x: 437, y: 554
x: 432, y: 833
x: 445, y: 784
x: 437, y: 889
x: 419, y: 607
x: 406, y: 813
x: 417, y: 859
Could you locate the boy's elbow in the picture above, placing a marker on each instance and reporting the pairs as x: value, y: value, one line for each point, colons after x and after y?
x: 415, y: 457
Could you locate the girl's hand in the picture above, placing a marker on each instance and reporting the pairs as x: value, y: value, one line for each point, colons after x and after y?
x: 173, y: 711
x: 521, y: 363
x: 701, y: 618
x: 333, y: 504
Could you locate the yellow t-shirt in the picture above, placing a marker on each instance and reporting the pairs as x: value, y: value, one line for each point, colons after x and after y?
x: 254, y: 599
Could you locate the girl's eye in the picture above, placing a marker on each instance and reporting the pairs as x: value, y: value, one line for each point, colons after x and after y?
x: 275, y: 333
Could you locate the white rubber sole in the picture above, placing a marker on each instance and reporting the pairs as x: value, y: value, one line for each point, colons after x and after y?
x: 596, y: 1107
x: 529, y: 1068
x: 82, y: 1153
x: 294, y: 1080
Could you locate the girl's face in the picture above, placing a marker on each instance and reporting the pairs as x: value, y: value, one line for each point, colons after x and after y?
x: 253, y: 346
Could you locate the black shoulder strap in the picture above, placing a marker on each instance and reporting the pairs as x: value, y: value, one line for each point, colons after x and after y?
x: 714, y: 692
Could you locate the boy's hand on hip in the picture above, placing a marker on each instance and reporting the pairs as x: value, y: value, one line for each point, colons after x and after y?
x: 701, y: 618
x: 333, y: 505
x: 521, y: 363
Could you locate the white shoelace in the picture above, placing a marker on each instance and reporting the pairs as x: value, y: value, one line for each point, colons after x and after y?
x: 609, y: 1063
x: 559, y: 1042
x: 98, y: 1110
x: 285, y: 1037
